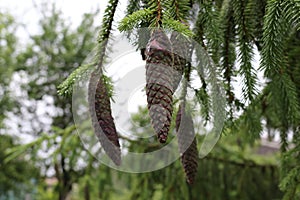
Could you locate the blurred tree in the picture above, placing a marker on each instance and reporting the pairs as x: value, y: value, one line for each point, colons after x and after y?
x: 46, y: 61
x: 17, y: 177
x: 50, y: 57
x: 8, y: 54
x: 290, y: 160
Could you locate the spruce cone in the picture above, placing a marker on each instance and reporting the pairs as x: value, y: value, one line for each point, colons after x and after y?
x: 159, y: 87
x: 102, y: 119
x: 187, y: 143
x: 180, y: 48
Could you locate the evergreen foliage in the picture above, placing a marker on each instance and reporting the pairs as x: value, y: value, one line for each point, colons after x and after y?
x: 99, y: 58
x: 45, y: 62
x: 8, y: 54
x: 17, y: 176
x: 244, y: 29
x: 133, y: 20
x: 230, y: 33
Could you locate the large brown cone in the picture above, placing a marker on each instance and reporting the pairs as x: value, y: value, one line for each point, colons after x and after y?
x: 102, y: 119
x: 159, y: 83
x: 180, y: 47
x: 187, y: 143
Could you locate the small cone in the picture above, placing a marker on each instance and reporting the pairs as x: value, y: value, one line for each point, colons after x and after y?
x: 102, y: 119
x: 159, y: 83
x: 187, y: 143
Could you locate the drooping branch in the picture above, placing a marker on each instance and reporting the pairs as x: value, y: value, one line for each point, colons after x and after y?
x: 106, y: 29
x: 245, y: 30
x: 98, y: 93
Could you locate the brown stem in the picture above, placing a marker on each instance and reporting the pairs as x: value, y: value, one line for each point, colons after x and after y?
x: 159, y: 14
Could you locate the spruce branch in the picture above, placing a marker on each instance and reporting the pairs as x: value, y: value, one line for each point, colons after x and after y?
x: 210, y: 28
x: 159, y: 13
x: 135, y: 19
x: 177, y: 9
x: 66, y: 87
x: 106, y: 30
x: 274, y: 38
x: 286, y: 97
x: 98, y: 93
x: 292, y: 14
x: 141, y: 35
x: 157, y: 7
x: 256, y: 9
x: 175, y: 25
x: 249, y: 123
x: 216, y: 93
x: 203, y: 98
x: 227, y: 53
x: 277, y: 26
x: 133, y: 6
x: 245, y: 31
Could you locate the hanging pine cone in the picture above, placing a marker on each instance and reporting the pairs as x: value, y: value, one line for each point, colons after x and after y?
x: 180, y: 47
x: 102, y: 119
x: 159, y: 83
x: 187, y: 143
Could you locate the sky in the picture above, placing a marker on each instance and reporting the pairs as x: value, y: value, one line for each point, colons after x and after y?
x: 27, y: 12
x: 71, y: 8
